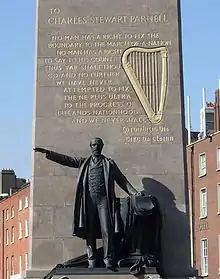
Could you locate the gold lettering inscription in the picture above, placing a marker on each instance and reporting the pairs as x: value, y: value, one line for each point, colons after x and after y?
x: 96, y: 112
x: 108, y: 67
x: 108, y: 119
x: 64, y: 78
x: 52, y: 68
x: 144, y: 129
x: 96, y: 105
x: 67, y: 20
x: 54, y: 11
x: 94, y: 82
x: 76, y: 48
x: 136, y: 139
x: 55, y: 60
x: 149, y: 139
x: 107, y: 44
x: 95, y: 89
x: 105, y: 37
x: 78, y: 52
x: 62, y: 75
x: 97, y: 97
x: 70, y: 38
x: 87, y: 68
x: 64, y: 45
x: 147, y: 134
x: 156, y: 18
x: 162, y: 139
x: 104, y: 74
x: 57, y: 19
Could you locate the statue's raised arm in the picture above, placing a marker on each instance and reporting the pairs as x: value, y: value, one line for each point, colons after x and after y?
x: 72, y: 162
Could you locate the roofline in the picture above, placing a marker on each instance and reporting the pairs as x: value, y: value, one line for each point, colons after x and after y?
x: 24, y: 186
x: 207, y: 137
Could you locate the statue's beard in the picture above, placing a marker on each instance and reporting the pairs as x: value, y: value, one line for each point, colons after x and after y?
x: 96, y: 152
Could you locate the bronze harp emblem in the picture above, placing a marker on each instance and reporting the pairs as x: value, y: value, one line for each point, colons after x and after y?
x: 147, y: 71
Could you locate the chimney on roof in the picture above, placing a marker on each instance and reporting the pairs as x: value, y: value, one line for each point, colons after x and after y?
x: 20, y: 183
x: 7, y: 181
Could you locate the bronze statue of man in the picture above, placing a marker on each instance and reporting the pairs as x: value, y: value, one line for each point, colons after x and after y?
x: 94, y: 210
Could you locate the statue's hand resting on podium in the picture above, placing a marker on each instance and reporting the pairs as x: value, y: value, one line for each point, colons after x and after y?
x: 41, y: 150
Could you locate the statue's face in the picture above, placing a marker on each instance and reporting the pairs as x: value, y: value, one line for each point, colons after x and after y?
x: 96, y: 146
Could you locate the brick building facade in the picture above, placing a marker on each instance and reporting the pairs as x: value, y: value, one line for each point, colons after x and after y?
x: 203, y: 166
x: 14, y: 230
x: 203, y: 161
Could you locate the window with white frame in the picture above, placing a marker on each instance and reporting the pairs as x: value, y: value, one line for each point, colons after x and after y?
x: 7, y: 237
x: 12, y: 212
x: 204, y: 257
x: 12, y: 265
x: 12, y: 235
x: 26, y: 261
x: 202, y: 164
x: 218, y: 158
x: 26, y: 228
x: 20, y: 264
x: 19, y: 230
x: 7, y: 215
x: 7, y: 268
x: 20, y: 205
x: 203, y: 203
x: 26, y: 202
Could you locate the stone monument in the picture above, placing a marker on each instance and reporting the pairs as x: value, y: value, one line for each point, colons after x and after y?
x: 130, y: 228
x: 111, y: 69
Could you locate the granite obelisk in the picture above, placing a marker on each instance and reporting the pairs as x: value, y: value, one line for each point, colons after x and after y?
x: 111, y: 69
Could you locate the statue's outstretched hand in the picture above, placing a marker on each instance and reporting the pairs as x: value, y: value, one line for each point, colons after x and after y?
x: 39, y: 149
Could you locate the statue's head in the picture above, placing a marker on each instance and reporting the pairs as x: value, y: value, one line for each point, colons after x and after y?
x: 96, y: 145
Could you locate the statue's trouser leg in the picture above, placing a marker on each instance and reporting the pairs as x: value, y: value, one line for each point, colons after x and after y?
x: 106, y: 229
x: 139, y: 234
x: 91, y: 248
x: 92, y: 223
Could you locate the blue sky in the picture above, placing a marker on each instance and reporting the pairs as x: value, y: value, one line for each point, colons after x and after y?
x: 201, y: 42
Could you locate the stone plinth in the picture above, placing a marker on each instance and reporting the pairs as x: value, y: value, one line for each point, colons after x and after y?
x: 99, y: 274
x: 81, y: 273
x: 144, y: 276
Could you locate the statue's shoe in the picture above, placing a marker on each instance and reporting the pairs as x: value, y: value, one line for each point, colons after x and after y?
x: 92, y: 263
x: 108, y: 264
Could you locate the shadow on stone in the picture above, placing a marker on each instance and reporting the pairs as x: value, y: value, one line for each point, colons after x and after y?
x: 136, y: 241
x: 163, y: 234
x: 175, y: 234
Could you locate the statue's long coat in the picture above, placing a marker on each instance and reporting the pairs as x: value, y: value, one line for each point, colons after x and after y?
x: 111, y: 174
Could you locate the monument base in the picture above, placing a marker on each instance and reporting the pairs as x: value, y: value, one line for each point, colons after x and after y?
x: 147, y: 276
x: 98, y: 273
x: 83, y: 273
x: 35, y: 273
